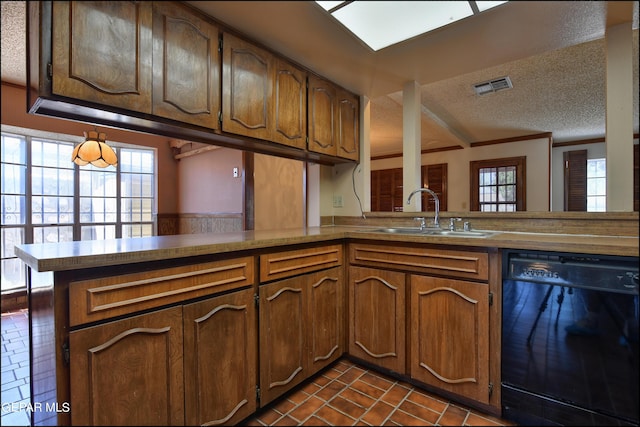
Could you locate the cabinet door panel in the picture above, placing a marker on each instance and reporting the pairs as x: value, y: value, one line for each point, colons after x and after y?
x: 102, y: 52
x: 220, y: 359
x: 283, y: 355
x: 290, y: 106
x: 129, y: 372
x: 186, y: 85
x: 247, y: 88
x: 322, y: 116
x: 377, y: 317
x: 348, y: 126
x: 450, y: 335
x: 326, y: 318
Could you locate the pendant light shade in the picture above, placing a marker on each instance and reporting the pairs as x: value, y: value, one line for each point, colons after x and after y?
x: 94, y: 150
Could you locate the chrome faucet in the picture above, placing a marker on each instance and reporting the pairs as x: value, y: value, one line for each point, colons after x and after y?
x: 436, y: 219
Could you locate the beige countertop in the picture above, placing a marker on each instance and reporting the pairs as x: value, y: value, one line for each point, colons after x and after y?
x: 98, y: 253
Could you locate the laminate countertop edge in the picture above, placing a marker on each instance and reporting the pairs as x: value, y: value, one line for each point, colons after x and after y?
x: 65, y: 256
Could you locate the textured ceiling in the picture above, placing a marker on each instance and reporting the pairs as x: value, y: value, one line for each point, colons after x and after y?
x: 553, y: 52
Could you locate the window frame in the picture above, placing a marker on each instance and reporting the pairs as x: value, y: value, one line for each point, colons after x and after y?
x: 520, y: 163
x: 28, y: 228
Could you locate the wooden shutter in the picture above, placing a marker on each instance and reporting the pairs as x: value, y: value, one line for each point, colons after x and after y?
x: 575, y: 180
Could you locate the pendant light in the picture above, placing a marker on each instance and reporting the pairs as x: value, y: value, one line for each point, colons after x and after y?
x: 94, y: 150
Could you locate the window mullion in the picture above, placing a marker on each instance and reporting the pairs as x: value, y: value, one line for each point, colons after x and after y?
x: 77, y: 229
x: 118, y: 194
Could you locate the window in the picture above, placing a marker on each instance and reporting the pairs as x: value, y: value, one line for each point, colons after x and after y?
x: 498, y: 185
x: 47, y: 198
x: 596, y: 185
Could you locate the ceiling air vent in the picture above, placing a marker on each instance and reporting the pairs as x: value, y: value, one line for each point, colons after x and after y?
x: 493, y: 86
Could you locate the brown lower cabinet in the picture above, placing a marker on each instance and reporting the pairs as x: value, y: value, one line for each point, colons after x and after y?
x: 449, y: 321
x: 301, y: 329
x: 190, y: 364
x: 377, y: 317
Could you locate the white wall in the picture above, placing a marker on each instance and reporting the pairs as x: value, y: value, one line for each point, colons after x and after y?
x: 206, y: 183
x: 536, y: 151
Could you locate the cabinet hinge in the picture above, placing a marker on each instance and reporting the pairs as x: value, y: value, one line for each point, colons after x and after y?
x: 65, y: 353
x: 256, y: 299
x: 49, y: 70
x: 220, y: 118
x: 220, y: 44
x: 490, y: 299
x: 490, y: 389
x: 258, y: 394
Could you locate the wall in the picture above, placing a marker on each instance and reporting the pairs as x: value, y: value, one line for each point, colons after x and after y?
x: 536, y: 152
x: 206, y: 184
x: 14, y: 113
x: 279, y: 193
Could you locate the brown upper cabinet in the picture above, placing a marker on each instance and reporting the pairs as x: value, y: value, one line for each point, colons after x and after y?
x: 102, y: 53
x: 333, y: 120
x: 186, y: 66
x: 263, y: 96
x: 168, y: 69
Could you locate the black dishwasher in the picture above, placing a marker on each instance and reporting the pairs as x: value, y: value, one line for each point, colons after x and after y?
x: 569, y: 339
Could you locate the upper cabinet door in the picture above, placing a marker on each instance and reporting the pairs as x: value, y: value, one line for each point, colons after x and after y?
x: 186, y: 66
x: 290, y: 105
x: 322, y: 116
x: 348, y: 125
x: 102, y: 52
x: 247, y: 86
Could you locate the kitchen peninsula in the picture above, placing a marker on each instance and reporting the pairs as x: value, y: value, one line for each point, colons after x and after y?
x: 122, y: 334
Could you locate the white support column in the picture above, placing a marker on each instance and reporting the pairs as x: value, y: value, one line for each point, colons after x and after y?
x: 411, y: 145
x: 619, y: 121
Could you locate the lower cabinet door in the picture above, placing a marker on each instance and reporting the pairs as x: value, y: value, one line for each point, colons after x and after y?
x: 220, y: 353
x: 128, y: 372
x: 325, y: 318
x: 377, y: 317
x: 450, y: 335
x: 283, y: 337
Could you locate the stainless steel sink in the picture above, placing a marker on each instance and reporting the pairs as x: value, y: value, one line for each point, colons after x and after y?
x: 437, y: 232
x: 400, y: 230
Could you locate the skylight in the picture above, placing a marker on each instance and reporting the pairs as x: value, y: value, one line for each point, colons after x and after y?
x: 380, y: 24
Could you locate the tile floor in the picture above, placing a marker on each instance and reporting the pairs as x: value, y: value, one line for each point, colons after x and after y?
x: 344, y: 394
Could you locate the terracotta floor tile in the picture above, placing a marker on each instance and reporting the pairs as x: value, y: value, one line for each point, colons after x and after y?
x: 420, y: 412
x: 427, y: 401
x: 321, y: 380
x: 453, y: 416
x: 334, y: 417
x: 315, y: 421
x: 367, y: 389
x: 298, y: 397
x: 378, y: 380
x: 396, y: 394
x: 269, y: 416
x: 378, y: 413
x: 343, y: 365
x: 284, y: 405
x: 303, y: 412
x: 286, y: 421
x: 477, y: 420
x: 311, y: 388
x: 404, y: 419
x: 330, y: 390
x: 351, y: 375
x: 332, y: 373
x: 358, y: 398
x: 347, y: 407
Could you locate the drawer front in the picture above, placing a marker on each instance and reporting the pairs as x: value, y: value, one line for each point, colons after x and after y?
x: 454, y: 263
x: 102, y: 298
x: 291, y: 263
